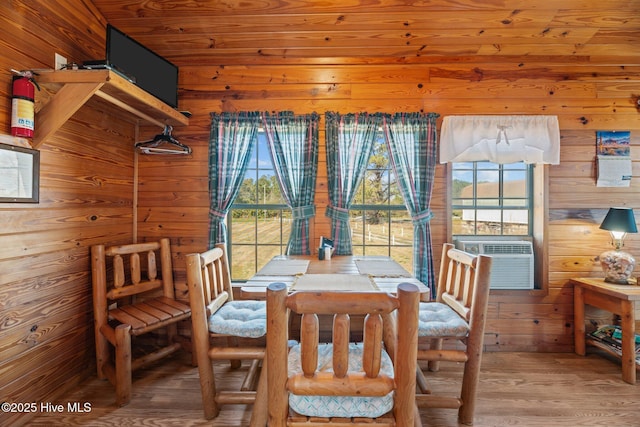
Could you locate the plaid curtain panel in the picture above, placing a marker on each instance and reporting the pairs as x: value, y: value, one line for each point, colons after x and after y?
x: 231, y: 140
x: 411, y: 140
x: 349, y: 140
x: 293, y: 145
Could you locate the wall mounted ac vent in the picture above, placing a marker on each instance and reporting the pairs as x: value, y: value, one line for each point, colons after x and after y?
x: 513, y: 263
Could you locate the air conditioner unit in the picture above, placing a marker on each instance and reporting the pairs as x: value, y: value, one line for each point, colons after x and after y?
x: 512, y: 266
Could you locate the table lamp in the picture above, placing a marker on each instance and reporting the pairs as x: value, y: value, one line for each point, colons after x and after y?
x: 617, y: 264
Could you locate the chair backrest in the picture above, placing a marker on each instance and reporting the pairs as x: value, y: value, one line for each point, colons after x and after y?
x: 382, y: 311
x: 208, y: 273
x: 132, y: 269
x: 464, y: 281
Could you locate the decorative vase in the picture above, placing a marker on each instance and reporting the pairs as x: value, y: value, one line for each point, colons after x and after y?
x: 617, y: 266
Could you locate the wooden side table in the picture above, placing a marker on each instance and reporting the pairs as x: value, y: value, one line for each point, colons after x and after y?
x: 618, y: 299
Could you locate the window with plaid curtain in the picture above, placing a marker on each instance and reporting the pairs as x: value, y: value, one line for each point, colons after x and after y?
x: 349, y: 141
x: 231, y: 140
x: 293, y: 145
x: 411, y: 139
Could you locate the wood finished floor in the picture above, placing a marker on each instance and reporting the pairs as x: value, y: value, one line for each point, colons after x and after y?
x: 517, y: 389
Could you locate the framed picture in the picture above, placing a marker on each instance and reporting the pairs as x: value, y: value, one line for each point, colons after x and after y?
x: 19, y: 174
x: 613, y: 143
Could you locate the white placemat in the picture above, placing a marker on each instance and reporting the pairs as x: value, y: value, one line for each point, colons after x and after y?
x: 284, y: 267
x: 381, y: 268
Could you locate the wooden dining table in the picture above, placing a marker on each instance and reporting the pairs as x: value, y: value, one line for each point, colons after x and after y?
x: 341, y: 272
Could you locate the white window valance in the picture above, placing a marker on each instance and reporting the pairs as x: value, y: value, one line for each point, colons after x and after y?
x: 500, y: 139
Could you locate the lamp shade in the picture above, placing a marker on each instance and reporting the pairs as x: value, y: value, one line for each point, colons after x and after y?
x: 620, y: 219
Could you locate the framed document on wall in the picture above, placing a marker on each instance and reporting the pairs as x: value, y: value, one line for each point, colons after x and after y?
x: 19, y: 174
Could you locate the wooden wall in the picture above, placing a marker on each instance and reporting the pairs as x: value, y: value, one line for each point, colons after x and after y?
x: 586, y: 97
x: 87, y: 191
x: 86, y: 197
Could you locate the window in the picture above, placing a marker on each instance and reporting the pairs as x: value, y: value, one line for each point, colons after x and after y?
x: 380, y: 223
x: 490, y: 199
x: 259, y: 220
x: 496, y: 202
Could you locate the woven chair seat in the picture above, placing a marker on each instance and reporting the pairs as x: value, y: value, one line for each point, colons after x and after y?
x: 436, y: 319
x: 247, y: 319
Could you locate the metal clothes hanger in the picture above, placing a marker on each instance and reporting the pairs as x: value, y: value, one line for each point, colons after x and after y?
x: 163, y: 143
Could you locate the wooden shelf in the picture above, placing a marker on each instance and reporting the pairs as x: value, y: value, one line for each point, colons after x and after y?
x: 73, y: 88
x: 14, y: 140
x: 607, y: 349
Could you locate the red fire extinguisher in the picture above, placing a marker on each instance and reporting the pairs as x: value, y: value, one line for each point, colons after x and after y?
x: 22, y: 104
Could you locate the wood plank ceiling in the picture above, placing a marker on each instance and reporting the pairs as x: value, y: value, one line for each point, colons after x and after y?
x: 215, y: 32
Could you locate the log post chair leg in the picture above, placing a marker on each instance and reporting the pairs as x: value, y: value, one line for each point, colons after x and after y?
x: 233, y: 342
x: 123, y: 364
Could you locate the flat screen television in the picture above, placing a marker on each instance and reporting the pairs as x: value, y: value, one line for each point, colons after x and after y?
x: 150, y: 71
